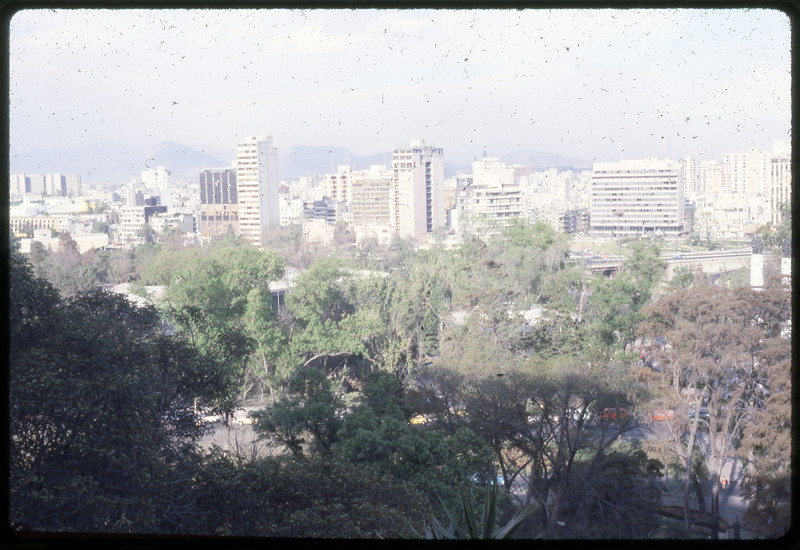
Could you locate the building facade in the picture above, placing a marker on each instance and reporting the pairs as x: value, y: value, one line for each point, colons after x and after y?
x: 219, y: 203
x: 416, y: 207
x: 370, y: 203
x: 635, y: 197
x: 490, y: 200
x: 257, y: 188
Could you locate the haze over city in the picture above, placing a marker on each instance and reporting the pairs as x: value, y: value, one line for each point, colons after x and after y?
x: 600, y: 85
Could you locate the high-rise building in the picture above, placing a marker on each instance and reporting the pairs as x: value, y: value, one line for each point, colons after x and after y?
x: 491, y: 201
x: 157, y: 178
x: 257, y: 188
x: 55, y: 185
x: 338, y: 186
x: 416, y: 208
x: 37, y: 186
x: 370, y: 203
x: 711, y: 177
x: 633, y: 197
x: 219, y: 203
x: 780, y: 185
x: 749, y: 172
x: 73, y: 185
x: 689, y: 176
x: 17, y: 184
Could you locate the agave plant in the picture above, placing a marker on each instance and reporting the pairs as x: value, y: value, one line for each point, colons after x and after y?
x: 467, y: 524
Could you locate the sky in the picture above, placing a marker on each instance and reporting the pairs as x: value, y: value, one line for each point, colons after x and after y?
x: 600, y: 85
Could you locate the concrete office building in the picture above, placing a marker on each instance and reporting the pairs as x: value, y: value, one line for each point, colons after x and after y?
x: 491, y: 201
x: 634, y: 197
x: 73, y: 185
x: 416, y: 207
x: 748, y: 172
x: 370, y: 203
x: 689, y: 176
x: 257, y: 188
x: 780, y: 186
x: 55, y: 185
x: 219, y: 203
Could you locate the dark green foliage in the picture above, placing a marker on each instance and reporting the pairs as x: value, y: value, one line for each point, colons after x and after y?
x: 100, y: 402
x: 467, y: 524
x: 307, y: 498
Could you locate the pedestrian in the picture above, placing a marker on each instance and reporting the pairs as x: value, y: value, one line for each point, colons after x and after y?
x: 724, y: 483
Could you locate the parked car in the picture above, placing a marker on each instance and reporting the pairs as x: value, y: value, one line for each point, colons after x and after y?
x: 241, y: 416
x: 668, y: 414
x: 703, y: 414
x: 615, y: 414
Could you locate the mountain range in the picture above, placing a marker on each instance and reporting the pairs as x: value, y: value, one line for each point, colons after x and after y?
x: 110, y: 162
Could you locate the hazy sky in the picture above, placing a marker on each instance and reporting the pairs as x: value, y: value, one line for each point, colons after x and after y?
x: 599, y: 85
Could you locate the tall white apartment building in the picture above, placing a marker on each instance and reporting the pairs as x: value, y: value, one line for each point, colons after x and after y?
x: 73, y: 185
x: 54, y: 185
x: 689, y: 176
x: 491, y: 201
x: 633, y: 197
x: 17, y: 184
x: 257, y: 185
x: 712, y: 177
x: 37, y: 186
x: 417, y: 208
x: 157, y: 178
x: 749, y: 172
x: 338, y: 186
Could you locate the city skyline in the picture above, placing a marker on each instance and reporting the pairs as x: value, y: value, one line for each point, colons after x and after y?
x: 566, y: 82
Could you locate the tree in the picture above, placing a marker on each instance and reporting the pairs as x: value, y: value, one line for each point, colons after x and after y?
x: 307, y: 418
x: 719, y: 345
x: 223, y: 297
x: 615, y: 304
x: 544, y: 423
x: 101, y: 425
x: 304, y: 497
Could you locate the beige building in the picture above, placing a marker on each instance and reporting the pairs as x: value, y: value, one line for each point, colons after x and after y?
x: 257, y: 188
x: 416, y: 207
x: 490, y: 201
x: 370, y: 203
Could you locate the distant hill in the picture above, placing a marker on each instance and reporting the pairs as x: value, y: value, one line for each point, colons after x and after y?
x: 544, y: 161
x: 114, y: 163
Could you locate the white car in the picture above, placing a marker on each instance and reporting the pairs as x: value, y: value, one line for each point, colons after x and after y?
x: 240, y: 416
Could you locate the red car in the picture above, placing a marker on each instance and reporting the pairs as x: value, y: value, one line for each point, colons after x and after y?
x: 663, y: 415
x: 615, y: 414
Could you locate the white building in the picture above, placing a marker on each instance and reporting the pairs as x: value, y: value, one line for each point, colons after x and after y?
x: 491, y: 201
x: 690, y: 176
x: 257, y: 181
x: 158, y: 178
x: 370, y: 203
x: 748, y: 172
x: 780, y: 182
x: 634, y: 197
x: 338, y: 186
x: 417, y: 208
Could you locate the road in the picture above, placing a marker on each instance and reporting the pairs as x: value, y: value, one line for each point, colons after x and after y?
x: 238, y: 439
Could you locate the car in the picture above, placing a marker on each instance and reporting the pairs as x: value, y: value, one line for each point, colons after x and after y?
x: 615, y: 414
x: 703, y: 414
x: 668, y: 414
x: 241, y: 417
x: 418, y: 419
